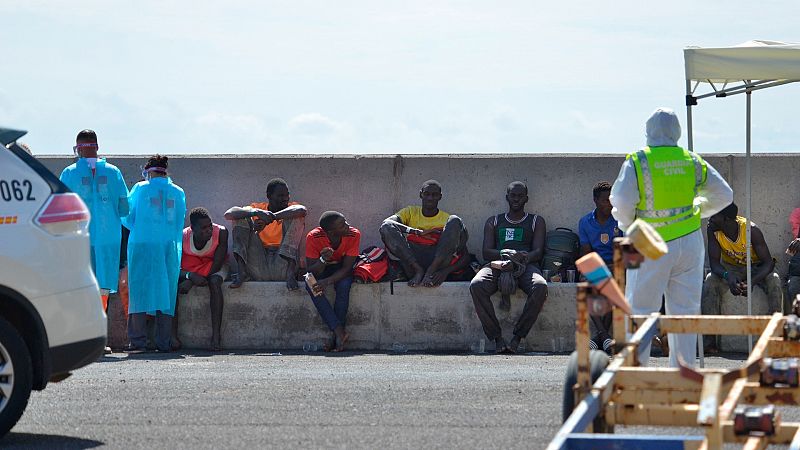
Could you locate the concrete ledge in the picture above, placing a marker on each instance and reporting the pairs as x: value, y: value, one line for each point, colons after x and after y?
x: 264, y: 315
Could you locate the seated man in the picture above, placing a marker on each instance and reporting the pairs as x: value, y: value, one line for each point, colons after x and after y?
x: 793, y: 285
x: 728, y: 260
x: 266, y: 237
x: 597, y: 231
x: 331, y: 252
x: 520, y: 236
x: 430, y: 243
x: 205, y: 245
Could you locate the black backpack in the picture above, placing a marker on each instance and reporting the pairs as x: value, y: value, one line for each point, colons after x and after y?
x: 561, y: 248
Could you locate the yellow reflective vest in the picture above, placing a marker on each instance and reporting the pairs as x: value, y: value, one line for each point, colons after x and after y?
x: 668, y: 179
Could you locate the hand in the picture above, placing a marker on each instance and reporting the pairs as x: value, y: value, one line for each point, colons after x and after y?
x: 266, y: 216
x: 259, y: 224
x: 794, y: 247
x: 743, y: 287
x: 521, y: 257
x: 326, y: 254
x: 197, y: 279
x: 502, y: 266
x: 319, y: 288
x: 184, y: 286
x: 733, y: 284
x: 429, y: 232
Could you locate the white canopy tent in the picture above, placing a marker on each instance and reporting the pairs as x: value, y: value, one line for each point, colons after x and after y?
x: 743, y: 68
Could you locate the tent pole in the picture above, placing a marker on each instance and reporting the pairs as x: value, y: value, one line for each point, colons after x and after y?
x: 749, y: 211
x: 689, y: 115
x: 690, y: 139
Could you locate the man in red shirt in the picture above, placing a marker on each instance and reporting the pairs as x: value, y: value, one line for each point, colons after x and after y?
x: 331, y: 252
x: 266, y: 238
x: 205, y: 245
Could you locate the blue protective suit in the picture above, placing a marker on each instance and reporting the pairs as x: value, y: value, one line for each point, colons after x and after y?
x: 106, y: 195
x: 157, y: 210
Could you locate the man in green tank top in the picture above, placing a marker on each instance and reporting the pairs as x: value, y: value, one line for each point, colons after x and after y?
x: 518, y: 237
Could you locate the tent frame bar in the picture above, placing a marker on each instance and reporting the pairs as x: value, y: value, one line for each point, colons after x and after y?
x: 733, y: 90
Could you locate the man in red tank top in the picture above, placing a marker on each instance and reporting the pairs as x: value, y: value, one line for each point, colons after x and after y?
x: 205, y: 246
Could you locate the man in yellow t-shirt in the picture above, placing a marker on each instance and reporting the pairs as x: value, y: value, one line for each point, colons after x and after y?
x: 267, y: 236
x: 728, y: 259
x: 430, y: 243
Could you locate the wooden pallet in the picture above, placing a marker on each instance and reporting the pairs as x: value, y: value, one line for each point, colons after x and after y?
x: 627, y: 394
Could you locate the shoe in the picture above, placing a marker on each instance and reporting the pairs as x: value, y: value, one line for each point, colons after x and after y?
x: 608, y: 347
x: 657, y: 347
x: 711, y: 350
x: 107, y: 350
x: 133, y: 350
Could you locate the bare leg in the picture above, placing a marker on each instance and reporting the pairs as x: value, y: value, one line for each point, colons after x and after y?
x: 240, y: 275
x: 215, y: 290
x: 176, y: 343
x: 419, y: 274
x: 341, y: 338
x: 291, y: 274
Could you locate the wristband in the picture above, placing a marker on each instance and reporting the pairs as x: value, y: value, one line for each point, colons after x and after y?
x: 725, y: 275
x: 187, y: 275
x: 323, y: 261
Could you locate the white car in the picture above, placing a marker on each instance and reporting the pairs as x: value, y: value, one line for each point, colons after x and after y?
x: 51, y: 317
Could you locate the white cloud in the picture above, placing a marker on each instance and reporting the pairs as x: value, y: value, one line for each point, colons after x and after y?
x: 315, y: 124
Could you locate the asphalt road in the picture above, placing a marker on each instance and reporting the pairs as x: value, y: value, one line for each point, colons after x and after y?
x: 262, y: 400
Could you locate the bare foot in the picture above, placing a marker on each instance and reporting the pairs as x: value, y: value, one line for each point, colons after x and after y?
x: 176, y: 344
x: 514, y: 344
x: 416, y: 280
x: 330, y: 344
x: 215, y: 345
x: 343, y: 340
x: 500, y: 346
x: 291, y: 283
x: 435, y: 279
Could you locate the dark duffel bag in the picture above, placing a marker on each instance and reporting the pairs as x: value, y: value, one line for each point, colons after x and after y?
x: 561, y: 247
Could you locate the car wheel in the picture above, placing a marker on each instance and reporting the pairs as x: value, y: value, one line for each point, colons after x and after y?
x: 16, y: 376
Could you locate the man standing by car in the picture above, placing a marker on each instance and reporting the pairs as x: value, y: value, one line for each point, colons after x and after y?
x: 102, y: 187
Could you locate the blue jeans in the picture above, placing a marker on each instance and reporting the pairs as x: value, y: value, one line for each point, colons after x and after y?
x: 336, y: 315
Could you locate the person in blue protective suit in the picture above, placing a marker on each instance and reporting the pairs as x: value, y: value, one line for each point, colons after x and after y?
x: 157, y: 210
x: 102, y: 187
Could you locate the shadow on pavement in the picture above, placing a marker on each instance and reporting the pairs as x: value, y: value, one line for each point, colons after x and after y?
x: 37, y: 441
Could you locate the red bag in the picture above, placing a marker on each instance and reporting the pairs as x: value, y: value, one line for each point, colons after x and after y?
x: 430, y: 239
x: 372, y: 265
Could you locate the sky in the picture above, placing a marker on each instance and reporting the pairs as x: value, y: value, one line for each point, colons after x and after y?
x: 367, y: 77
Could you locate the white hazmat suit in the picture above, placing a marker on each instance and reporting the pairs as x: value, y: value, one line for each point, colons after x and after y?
x: 679, y: 274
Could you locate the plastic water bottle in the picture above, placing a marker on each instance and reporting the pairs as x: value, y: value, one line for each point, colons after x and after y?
x: 399, y: 348
x: 309, y: 347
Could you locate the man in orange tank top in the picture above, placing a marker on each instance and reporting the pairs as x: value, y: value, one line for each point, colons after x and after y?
x: 728, y: 259
x: 267, y: 237
x: 205, y: 246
